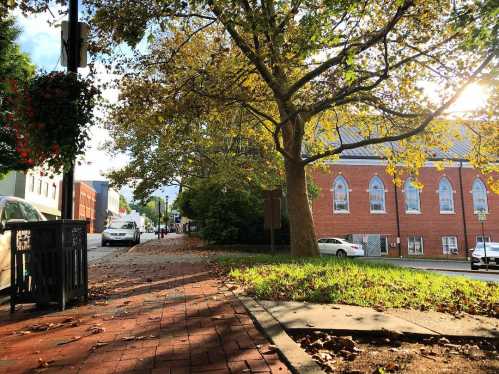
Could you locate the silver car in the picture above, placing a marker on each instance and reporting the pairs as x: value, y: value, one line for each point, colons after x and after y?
x: 121, y: 231
x: 12, y: 209
x: 479, y: 260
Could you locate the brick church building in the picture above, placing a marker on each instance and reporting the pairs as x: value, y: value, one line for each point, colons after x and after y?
x: 359, y: 201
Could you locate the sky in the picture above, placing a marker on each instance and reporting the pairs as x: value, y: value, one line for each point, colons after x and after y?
x: 41, y: 41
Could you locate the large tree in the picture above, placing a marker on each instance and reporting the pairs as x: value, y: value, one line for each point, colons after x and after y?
x: 306, y: 68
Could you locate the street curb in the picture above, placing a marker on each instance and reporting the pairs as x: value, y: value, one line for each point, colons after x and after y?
x: 459, y: 271
x: 298, y: 361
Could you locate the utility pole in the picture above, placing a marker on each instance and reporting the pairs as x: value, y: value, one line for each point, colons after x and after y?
x: 73, y: 51
x: 166, y: 215
x: 159, y: 217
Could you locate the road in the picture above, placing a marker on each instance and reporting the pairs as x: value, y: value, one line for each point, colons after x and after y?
x: 96, y: 251
x: 447, y: 267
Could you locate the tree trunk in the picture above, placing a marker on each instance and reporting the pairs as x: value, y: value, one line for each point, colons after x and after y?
x: 301, y: 225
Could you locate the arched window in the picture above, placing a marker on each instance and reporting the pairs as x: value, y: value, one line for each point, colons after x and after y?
x: 412, y: 200
x: 340, y: 195
x: 479, y: 193
x: 377, y: 195
x: 445, y: 196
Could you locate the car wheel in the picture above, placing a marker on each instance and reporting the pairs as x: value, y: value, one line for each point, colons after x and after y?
x: 475, y: 267
x: 104, y: 243
x: 341, y: 253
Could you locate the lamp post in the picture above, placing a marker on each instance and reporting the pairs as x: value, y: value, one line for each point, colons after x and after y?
x: 73, y: 51
x: 166, y: 214
x: 159, y: 217
x: 482, y: 217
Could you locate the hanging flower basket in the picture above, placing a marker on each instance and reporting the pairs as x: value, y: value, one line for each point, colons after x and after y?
x: 50, y: 119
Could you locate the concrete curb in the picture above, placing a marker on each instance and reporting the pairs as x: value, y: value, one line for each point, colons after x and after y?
x: 298, y: 361
x: 493, y: 272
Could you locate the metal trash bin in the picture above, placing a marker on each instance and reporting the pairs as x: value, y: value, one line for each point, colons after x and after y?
x: 48, y: 262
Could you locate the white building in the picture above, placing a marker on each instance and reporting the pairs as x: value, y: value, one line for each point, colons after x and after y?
x: 40, y: 190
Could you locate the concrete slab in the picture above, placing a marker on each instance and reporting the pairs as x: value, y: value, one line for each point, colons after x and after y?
x: 297, y: 315
x: 449, y: 325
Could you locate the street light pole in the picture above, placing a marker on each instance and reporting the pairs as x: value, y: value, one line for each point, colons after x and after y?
x: 73, y: 53
x: 166, y: 215
x: 159, y: 217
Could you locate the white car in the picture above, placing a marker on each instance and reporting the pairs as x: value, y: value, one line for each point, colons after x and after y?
x: 478, y: 259
x: 339, y: 247
x: 12, y: 209
x: 121, y: 231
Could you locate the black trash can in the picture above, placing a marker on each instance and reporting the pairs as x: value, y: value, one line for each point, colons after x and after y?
x: 48, y: 262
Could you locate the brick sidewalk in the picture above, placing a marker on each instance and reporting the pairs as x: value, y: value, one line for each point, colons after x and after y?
x: 160, y: 318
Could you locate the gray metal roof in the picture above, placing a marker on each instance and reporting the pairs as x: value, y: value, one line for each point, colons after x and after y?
x: 458, y: 151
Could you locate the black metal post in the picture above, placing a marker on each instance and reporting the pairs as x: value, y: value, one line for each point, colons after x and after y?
x: 73, y: 52
x: 485, y: 249
x: 463, y: 212
x: 159, y: 218
x: 397, y: 217
x: 166, y: 215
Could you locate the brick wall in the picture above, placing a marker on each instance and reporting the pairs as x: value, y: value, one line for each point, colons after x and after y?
x: 430, y: 223
x: 84, y: 204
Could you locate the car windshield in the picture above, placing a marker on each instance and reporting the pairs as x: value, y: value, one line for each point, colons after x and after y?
x: 121, y: 225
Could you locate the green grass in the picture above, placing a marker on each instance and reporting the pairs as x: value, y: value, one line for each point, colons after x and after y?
x: 331, y: 280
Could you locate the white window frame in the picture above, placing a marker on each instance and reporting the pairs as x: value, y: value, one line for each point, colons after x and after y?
x: 413, y: 237
x: 371, y: 194
x: 347, y: 193
x: 483, y: 188
x: 408, y: 185
x: 445, y: 180
x: 447, y: 248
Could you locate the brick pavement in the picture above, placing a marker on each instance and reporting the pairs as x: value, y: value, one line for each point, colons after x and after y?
x: 165, y: 317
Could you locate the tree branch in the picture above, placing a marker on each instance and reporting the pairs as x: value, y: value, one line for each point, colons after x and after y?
x: 378, y: 36
x: 430, y: 117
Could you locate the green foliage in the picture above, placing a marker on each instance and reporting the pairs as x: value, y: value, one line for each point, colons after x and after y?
x: 124, y: 204
x: 50, y: 118
x: 331, y: 280
x: 15, y: 66
x: 227, y: 215
x: 149, y: 208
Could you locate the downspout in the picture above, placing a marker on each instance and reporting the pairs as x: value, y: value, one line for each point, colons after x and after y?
x: 462, y: 209
x: 399, y: 245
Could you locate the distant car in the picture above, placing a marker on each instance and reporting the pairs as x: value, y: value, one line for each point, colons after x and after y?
x: 478, y: 259
x: 121, y: 232
x: 12, y: 209
x: 339, y: 247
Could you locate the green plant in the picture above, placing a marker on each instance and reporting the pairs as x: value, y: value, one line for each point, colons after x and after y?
x: 331, y: 280
x: 50, y: 117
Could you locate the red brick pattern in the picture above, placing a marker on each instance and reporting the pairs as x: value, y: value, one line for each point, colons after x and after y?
x: 430, y: 224
x: 173, y: 318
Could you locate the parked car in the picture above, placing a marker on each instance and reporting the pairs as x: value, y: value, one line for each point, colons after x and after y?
x: 339, y: 247
x: 121, y: 231
x: 12, y: 209
x: 478, y: 259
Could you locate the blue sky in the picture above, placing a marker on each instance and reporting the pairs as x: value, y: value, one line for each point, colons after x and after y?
x: 41, y: 41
